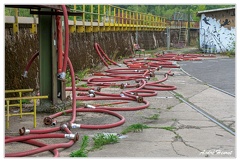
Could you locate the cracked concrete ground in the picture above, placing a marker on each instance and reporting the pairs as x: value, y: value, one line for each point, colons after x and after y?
x: 193, y: 135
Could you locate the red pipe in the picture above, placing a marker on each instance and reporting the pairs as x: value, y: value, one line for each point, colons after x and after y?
x: 66, y: 44
x: 59, y: 43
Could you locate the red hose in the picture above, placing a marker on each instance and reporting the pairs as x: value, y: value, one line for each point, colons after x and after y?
x: 59, y: 43
x: 34, y: 143
x: 66, y: 44
x: 30, y: 63
x: 41, y: 149
x: 103, y: 55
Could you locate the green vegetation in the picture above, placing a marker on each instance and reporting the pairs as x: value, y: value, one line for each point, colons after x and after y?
x: 168, y: 128
x: 134, y: 128
x: 81, y: 74
x: 167, y: 11
x: 101, y: 139
x: 82, y: 152
x: 153, y: 117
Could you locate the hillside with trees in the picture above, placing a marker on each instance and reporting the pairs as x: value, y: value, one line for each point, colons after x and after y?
x: 167, y: 11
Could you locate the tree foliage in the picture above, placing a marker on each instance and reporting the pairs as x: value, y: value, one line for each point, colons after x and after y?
x: 166, y: 11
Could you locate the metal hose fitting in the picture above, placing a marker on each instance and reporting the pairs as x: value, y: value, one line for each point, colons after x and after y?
x: 89, y: 106
x: 47, y: 121
x: 24, y: 131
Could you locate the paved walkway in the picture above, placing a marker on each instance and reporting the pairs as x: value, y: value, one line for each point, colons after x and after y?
x: 192, y: 134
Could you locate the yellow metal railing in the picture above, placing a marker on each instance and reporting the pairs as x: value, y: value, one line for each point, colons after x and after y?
x: 104, y: 18
x: 20, y: 99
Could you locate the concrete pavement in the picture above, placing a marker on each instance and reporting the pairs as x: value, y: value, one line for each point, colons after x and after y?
x: 193, y: 135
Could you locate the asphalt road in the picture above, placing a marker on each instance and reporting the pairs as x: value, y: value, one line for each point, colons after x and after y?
x: 219, y: 73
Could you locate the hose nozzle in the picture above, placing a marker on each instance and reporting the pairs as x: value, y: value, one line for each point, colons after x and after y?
x: 62, y: 76
x: 25, y: 74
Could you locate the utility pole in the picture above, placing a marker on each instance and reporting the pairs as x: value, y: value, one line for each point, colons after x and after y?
x: 189, y: 25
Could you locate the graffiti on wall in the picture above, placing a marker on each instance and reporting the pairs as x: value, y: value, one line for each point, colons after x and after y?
x: 215, y: 34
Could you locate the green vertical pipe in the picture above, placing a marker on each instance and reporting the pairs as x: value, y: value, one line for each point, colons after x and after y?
x: 45, y: 54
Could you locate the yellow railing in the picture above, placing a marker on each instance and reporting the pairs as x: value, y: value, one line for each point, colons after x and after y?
x: 103, y: 18
x: 20, y: 99
x: 112, y: 18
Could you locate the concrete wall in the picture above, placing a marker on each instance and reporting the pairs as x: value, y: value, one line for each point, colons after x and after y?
x: 217, y: 31
x: 20, y: 48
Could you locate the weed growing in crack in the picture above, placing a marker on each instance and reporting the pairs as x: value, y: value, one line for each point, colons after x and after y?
x: 153, y: 117
x: 101, y: 139
x: 170, y: 128
x: 82, y: 152
x: 134, y: 128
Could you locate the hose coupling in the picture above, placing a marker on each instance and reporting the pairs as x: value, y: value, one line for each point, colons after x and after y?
x: 119, y: 65
x: 122, y: 95
x: 160, y: 67
x: 92, y: 95
x: 63, y: 126
x: 139, y: 99
x: 134, y: 93
x: 54, y: 123
x: 98, y: 89
x: 24, y: 131
x: 89, y: 106
x: 47, y: 121
x: 152, y: 74
x: 62, y: 76
x: 74, y: 137
x: 25, y: 74
x: 148, y: 78
x: 122, y: 86
x: 91, y: 91
x: 74, y: 125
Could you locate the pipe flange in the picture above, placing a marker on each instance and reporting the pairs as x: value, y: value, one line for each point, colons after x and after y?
x: 76, y: 138
x: 47, y: 121
x: 22, y: 131
x: 139, y: 99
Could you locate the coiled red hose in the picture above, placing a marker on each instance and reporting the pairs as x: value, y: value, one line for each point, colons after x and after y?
x: 103, y: 55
